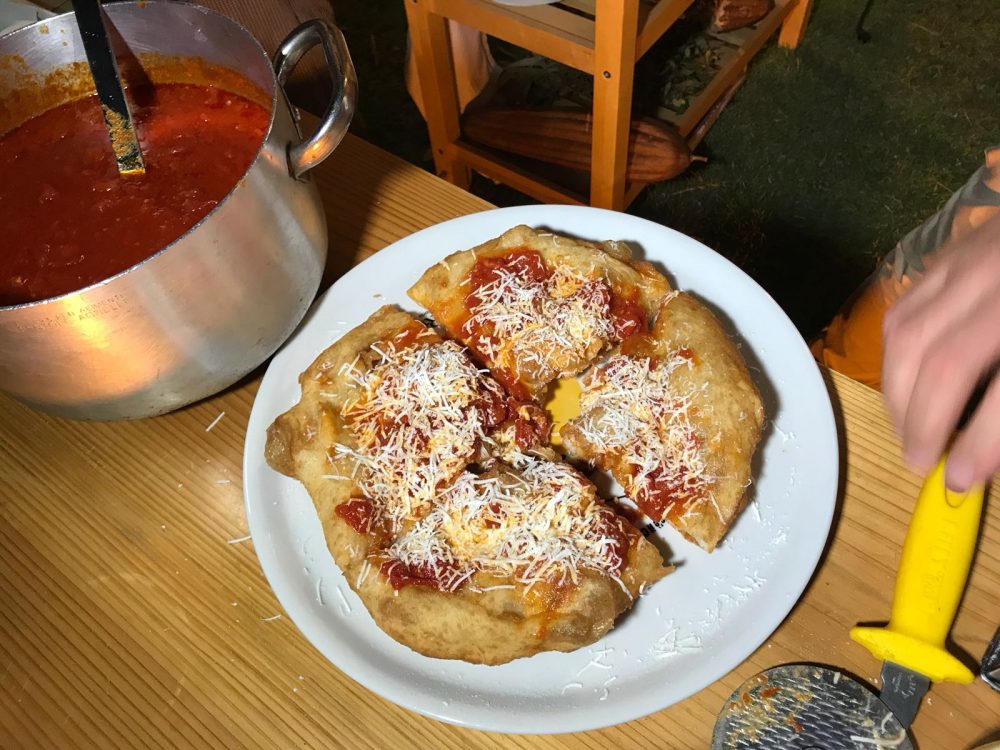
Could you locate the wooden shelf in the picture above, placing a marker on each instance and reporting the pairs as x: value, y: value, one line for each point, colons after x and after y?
x: 603, y: 38
x: 743, y: 44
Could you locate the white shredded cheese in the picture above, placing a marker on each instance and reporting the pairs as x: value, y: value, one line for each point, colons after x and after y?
x: 215, y: 421
x: 632, y: 408
x: 418, y: 419
x: 536, y: 521
x: 546, y: 327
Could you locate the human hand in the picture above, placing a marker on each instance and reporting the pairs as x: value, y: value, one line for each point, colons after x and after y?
x: 940, y: 341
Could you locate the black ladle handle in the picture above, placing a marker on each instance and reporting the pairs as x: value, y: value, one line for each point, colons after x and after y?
x: 90, y: 18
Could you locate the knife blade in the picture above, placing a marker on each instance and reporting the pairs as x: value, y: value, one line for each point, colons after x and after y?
x: 933, y: 570
x: 902, y: 691
x: 990, y: 667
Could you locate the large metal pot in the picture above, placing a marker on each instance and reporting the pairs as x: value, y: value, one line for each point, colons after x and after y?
x: 211, y: 306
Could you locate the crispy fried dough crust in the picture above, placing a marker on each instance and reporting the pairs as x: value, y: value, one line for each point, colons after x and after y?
x: 443, y: 288
x: 728, y: 406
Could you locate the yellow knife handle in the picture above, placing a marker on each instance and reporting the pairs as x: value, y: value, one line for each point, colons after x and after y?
x: 932, y: 574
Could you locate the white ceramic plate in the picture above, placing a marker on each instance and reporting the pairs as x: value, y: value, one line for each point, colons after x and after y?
x: 689, y: 629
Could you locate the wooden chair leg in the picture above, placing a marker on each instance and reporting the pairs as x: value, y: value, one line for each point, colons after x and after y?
x: 794, y: 26
x: 436, y: 72
x: 615, y: 31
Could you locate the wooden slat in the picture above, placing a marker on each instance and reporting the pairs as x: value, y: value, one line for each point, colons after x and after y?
x: 436, y: 75
x: 732, y: 69
x: 632, y: 191
x: 655, y: 20
x: 705, y: 124
x: 543, y: 29
x: 794, y: 27
x: 582, y: 6
x: 496, y: 167
x: 128, y: 620
x: 614, y: 70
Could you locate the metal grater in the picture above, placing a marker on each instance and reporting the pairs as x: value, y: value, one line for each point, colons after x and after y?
x: 990, y: 667
x: 806, y: 707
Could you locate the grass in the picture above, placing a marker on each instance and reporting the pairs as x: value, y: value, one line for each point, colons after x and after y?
x: 827, y: 155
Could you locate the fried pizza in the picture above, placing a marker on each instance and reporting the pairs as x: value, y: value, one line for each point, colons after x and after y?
x: 461, y: 542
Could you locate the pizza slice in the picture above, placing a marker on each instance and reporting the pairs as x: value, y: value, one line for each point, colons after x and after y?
x: 536, y: 306
x: 675, y: 418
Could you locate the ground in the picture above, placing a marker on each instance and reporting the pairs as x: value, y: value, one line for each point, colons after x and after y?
x: 825, y: 157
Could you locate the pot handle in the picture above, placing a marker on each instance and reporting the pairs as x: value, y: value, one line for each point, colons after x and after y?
x: 305, y: 155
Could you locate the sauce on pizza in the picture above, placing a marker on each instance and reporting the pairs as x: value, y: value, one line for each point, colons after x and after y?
x: 421, y: 412
x: 359, y: 512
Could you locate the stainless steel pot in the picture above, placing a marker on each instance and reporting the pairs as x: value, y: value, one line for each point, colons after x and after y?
x: 211, y: 306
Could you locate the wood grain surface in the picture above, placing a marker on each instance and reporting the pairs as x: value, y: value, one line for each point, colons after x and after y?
x: 133, y: 612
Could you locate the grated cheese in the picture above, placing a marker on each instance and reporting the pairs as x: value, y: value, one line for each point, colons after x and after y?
x: 633, y: 409
x: 547, y: 328
x: 418, y: 419
x: 536, y: 521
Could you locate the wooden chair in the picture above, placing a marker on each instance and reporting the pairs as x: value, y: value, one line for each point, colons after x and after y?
x: 603, y: 38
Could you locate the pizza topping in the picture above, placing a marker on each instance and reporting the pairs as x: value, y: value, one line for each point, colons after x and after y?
x: 420, y: 414
x: 432, y: 574
x: 358, y: 512
x: 627, y: 316
x: 537, y: 521
x: 527, y: 318
x: 531, y: 423
x: 633, y: 410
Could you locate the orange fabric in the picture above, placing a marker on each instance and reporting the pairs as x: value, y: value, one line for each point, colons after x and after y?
x: 852, y: 344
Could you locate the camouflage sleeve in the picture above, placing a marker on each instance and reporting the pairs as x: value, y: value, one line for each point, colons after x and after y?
x: 970, y: 206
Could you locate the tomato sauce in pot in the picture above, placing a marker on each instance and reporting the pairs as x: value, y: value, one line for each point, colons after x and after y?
x: 69, y: 219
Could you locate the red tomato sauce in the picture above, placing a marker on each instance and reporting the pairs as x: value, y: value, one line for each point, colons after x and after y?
x: 532, y: 424
x: 358, y: 512
x: 525, y: 263
x: 627, y: 316
x: 411, y: 334
x: 400, y: 574
x: 664, y: 497
x: 617, y: 529
x: 71, y: 220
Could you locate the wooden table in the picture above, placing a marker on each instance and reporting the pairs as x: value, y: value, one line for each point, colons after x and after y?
x: 130, y: 616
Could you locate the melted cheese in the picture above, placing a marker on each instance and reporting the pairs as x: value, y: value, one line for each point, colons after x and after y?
x: 537, y: 521
x: 418, y: 419
x: 635, y: 411
x: 547, y: 328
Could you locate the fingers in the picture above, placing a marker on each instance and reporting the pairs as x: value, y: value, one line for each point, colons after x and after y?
x: 910, y: 329
x: 940, y: 339
x: 948, y: 372
x: 975, y: 457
